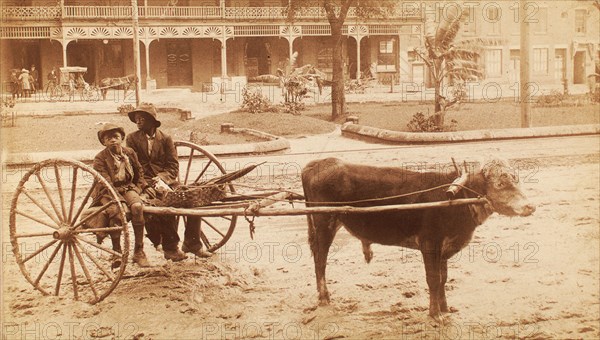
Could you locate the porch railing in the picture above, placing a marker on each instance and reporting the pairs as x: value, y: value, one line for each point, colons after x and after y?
x: 176, y: 12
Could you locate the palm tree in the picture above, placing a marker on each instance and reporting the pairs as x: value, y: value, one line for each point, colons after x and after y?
x: 446, y: 58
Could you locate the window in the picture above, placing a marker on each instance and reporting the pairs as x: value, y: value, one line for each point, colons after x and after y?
x: 493, y: 63
x: 540, y: 60
x: 580, y: 20
x: 468, y: 22
x: 386, y: 46
x: 386, y: 58
x: 493, y: 19
x: 541, y: 26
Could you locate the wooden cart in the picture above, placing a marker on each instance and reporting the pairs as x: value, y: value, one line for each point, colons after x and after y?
x: 49, y: 237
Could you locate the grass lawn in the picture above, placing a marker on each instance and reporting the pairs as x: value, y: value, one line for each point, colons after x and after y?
x: 62, y: 133
x: 470, y: 116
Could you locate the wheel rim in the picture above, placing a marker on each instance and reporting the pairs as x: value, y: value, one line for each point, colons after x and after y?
x: 201, y: 165
x: 52, y: 247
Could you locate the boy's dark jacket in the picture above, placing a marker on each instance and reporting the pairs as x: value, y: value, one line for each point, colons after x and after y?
x: 104, y: 163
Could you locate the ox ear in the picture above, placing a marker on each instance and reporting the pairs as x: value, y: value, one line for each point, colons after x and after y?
x: 493, y: 166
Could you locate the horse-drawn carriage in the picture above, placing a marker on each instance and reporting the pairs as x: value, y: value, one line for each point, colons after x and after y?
x: 70, y: 81
x: 50, y: 235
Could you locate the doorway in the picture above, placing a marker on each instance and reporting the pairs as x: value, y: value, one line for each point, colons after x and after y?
x: 579, y: 68
x: 179, y: 63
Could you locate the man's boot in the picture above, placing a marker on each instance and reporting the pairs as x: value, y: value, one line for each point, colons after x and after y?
x: 139, y: 257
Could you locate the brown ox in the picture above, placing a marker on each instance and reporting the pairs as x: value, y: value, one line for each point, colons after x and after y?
x: 438, y: 233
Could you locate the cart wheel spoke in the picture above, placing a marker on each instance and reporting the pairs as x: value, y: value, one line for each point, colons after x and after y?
x: 33, y: 235
x: 60, y: 192
x: 94, y: 214
x: 54, y: 218
x: 73, y: 274
x: 97, y: 230
x: 60, y: 269
x: 39, y: 277
x: 85, y: 200
x: 95, y: 261
x: 213, y: 227
x: 203, y: 171
x: 34, y: 254
x: 73, y: 192
x: 86, y: 272
x: 43, y: 184
x: 104, y: 249
x: 189, y: 165
x: 24, y: 214
x: 205, y: 240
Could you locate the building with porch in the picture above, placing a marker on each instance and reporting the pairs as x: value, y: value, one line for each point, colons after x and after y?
x: 193, y: 43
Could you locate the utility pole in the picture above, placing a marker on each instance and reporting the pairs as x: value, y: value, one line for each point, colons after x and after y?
x: 136, y: 52
x: 524, y: 69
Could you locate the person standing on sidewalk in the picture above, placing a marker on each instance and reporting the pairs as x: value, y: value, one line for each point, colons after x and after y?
x: 34, y: 75
x: 25, y: 84
x: 121, y: 168
x: 158, y: 156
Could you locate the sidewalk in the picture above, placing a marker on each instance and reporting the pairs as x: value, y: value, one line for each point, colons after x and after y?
x: 203, y: 104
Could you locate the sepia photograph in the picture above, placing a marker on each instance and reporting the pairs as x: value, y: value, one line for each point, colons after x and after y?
x: 300, y: 169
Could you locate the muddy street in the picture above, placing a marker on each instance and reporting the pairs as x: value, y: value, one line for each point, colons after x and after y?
x: 521, y: 277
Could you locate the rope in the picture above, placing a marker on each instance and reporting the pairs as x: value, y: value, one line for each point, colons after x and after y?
x: 357, y: 201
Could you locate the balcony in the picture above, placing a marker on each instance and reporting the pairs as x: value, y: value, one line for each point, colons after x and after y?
x: 93, y: 13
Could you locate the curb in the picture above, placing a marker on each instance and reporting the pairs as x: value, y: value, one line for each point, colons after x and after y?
x: 364, y: 132
x: 273, y: 144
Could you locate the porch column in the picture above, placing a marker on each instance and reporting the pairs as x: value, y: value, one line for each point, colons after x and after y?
x: 223, y: 59
x: 358, y: 40
x: 64, y: 44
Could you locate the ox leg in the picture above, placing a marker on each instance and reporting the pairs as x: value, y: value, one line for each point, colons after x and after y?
x: 442, y: 291
x: 366, y: 248
x: 432, y: 260
x: 321, y: 234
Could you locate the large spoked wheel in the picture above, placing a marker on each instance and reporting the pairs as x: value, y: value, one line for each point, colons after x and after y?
x: 53, y: 92
x: 200, y: 166
x: 50, y: 238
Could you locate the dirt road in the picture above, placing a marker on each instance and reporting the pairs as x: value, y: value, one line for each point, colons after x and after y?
x: 534, y: 277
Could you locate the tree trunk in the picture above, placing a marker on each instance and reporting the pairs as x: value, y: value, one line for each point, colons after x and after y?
x: 338, y: 98
x: 438, y: 110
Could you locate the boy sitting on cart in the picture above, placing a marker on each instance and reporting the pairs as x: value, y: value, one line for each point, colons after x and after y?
x: 121, y: 168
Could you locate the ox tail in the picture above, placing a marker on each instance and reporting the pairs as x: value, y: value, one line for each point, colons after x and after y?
x: 312, y: 230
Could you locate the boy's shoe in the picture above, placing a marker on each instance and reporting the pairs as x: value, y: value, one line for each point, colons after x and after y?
x: 174, y: 255
x: 139, y: 257
x: 115, y: 262
x: 199, y: 253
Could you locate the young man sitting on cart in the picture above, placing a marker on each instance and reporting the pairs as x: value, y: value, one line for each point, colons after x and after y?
x: 158, y: 157
x: 121, y: 168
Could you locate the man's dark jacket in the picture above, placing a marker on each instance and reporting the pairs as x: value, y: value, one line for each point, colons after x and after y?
x: 161, y: 161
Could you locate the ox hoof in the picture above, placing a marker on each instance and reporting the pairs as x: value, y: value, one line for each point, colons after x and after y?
x: 439, y: 318
x: 324, y: 301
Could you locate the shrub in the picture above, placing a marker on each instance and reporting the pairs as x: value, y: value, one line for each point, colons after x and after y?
x: 125, y: 109
x: 426, y: 123
x: 294, y: 107
x: 255, y: 101
x: 554, y: 98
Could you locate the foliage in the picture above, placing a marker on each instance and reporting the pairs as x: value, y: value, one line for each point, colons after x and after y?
x: 427, y: 123
x: 336, y: 12
x: 297, y: 82
x: 294, y: 107
x: 125, y: 109
x: 553, y: 99
x: 255, y: 101
x: 447, y: 58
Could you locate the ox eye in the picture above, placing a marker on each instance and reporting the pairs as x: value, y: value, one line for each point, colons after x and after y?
x: 499, y: 185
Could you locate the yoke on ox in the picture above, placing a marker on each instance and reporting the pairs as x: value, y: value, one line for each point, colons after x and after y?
x: 121, y: 83
x: 438, y: 233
